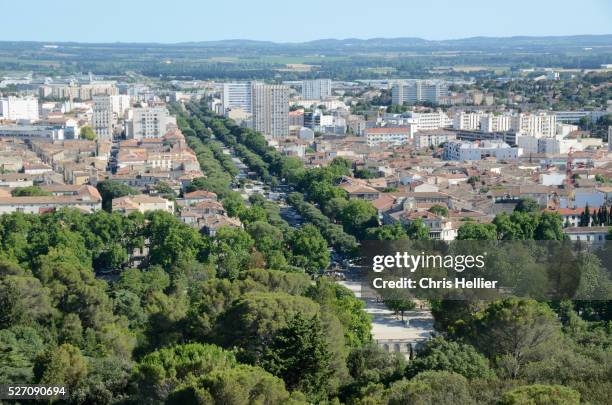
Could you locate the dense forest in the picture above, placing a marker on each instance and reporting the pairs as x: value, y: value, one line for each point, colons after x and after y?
x: 246, y: 316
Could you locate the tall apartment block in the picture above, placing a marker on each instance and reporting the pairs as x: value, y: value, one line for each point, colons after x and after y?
x: 149, y: 122
x: 410, y: 93
x: 270, y: 105
x: 237, y: 95
x: 318, y: 89
x: 103, y: 118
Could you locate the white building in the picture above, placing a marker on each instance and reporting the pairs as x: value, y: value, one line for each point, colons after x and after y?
x: 426, y: 139
x: 271, y: 109
x: 141, y: 203
x: 149, y: 122
x: 429, y: 121
x: 86, y: 198
x: 467, y: 121
x: 390, y: 136
x: 538, y: 125
x: 495, y: 123
x: 317, y: 89
x: 413, y: 92
x: 465, y: 150
x: 19, y: 108
x: 102, y: 119
x: 237, y: 95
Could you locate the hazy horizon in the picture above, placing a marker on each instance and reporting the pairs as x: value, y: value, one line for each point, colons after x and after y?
x: 193, y: 21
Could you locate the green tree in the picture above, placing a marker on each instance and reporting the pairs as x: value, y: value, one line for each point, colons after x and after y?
x: 527, y: 205
x: 431, y: 387
x: 62, y: 365
x: 472, y: 231
x: 442, y: 355
x: 439, y: 210
x: 310, y: 249
x: 357, y: 216
x: 32, y: 191
x: 417, y: 230
x: 541, y: 395
x: 87, y: 132
x: 299, y: 355
x: 110, y: 189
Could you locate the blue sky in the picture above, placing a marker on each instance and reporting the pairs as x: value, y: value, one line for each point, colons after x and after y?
x: 295, y: 21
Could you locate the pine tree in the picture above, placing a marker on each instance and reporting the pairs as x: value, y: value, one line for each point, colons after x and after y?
x: 300, y: 356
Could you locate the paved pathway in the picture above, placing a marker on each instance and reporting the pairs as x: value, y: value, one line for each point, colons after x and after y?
x: 417, y: 325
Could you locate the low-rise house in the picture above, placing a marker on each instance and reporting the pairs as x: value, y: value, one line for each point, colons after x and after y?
x: 86, y: 198
x: 141, y: 203
x: 592, y: 234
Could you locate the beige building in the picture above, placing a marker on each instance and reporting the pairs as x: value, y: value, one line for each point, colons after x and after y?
x: 141, y: 203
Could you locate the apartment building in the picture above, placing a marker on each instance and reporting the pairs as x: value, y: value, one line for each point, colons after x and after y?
x: 19, y: 108
x: 538, y: 125
x: 141, y: 203
x: 271, y: 109
x: 149, y: 122
x: 86, y: 198
x: 429, y: 121
x: 390, y: 136
x: 467, y: 121
x: 464, y: 150
x: 495, y: 123
x: 102, y: 118
x: 237, y: 96
x: 413, y: 92
x: 317, y: 89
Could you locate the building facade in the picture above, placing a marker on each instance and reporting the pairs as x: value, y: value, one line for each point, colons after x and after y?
x: 271, y: 109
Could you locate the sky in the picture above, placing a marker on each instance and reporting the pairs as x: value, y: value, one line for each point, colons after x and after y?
x: 295, y: 21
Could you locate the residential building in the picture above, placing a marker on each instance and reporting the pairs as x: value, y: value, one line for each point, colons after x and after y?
x: 432, y: 138
x: 317, y: 89
x: 237, y: 96
x: 102, y: 118
x: 467, y: 121
x: 141, y: 203
x: 538, y: 125
x: 413, y: 92
x: 19, y: 108
x: 149, y: 122
x: 465, y: 150
x: 390, y: 136
x: 271, y: 109
x: 495, y: 123
x: 86, y: 198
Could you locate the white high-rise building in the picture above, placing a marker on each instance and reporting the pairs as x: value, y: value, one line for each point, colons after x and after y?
x: 467, y: 121
x: 120, y: 104
x: 149, y: 122
x: 317, y: 89
x: 19, y: 108
x: 428, y: 121
x: 237, y: 95
x: 271, y: 109
x: 102, y: 119
x: 495, y: 123
x: 538, y: 125
x: 410, y: 93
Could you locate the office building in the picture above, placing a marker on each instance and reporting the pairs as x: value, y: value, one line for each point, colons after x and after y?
x: 318, y: 89
x: 271, y: 109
